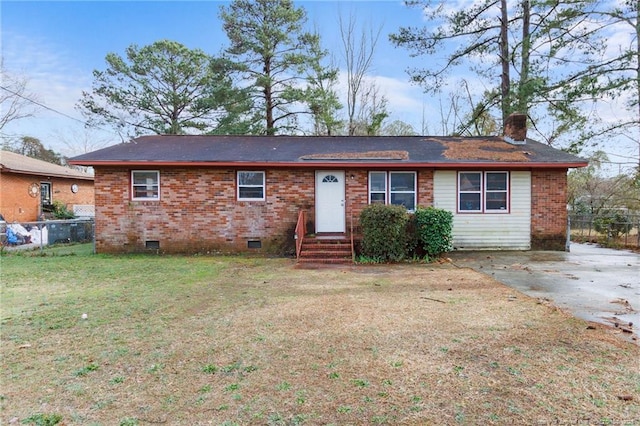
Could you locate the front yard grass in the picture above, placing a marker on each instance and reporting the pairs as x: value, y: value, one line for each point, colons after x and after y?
x: 232, y: 340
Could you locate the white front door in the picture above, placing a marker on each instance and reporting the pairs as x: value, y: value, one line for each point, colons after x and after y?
x: 330, y: 210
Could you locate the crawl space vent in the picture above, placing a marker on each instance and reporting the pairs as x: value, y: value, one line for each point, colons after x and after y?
x: 255, y: 244
x: 152, y: 245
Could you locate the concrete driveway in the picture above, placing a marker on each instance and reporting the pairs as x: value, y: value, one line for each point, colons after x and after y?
x: 594, y: 283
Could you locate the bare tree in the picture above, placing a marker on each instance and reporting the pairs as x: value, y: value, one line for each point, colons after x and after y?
x: 16, y: 102
x: 462, y: 115
x: 358, y: 55
x: 81, y: 141
x: 373, y: 110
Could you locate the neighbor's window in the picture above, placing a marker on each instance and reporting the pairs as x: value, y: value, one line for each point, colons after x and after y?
x: 483, y: 192
x: 45, y: 193
x: 250, y: 186
x: 397, y: 188
x: 145, y: 185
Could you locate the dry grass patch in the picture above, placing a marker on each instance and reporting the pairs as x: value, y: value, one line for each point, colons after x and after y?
x: 206, y: 340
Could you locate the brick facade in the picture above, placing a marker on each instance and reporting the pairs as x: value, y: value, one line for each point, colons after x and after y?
x: 16, y: 205
x: 198, y: 210
x: 549, y: 209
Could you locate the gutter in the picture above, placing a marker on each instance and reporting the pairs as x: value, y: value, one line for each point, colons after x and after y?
x: 43, y: 173
x: 331, y: 164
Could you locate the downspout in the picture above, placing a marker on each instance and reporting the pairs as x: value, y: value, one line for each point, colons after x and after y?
x: 567, y: 246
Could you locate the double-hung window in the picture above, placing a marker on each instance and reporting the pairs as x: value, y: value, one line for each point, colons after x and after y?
x: 398, y: 188
x: 486, y: 192
x: 145, y: 185
x: 251, y: 186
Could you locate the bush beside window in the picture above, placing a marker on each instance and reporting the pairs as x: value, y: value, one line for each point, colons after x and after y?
x: 60, y: 211
x: 390, y: 234
x: 384, y: 232
x: 434, y: 228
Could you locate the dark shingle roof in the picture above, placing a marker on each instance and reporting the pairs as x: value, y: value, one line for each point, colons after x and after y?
x: 308, y: 151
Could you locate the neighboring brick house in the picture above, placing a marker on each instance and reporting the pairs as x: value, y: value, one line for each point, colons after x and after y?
x: 29, y: 187
x: 234, y: 193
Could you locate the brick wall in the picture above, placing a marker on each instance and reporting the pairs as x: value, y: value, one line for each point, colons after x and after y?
x: 549, y: 209
x: 425, y: 188
x: 16, y: 205
x: 198, y: 211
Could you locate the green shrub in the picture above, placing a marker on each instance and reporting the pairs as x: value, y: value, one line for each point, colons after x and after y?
x: 434, y: 229
x: 384, y: 235
x: 413, y: 246
x: 612, y: 224
x: 60, y: 211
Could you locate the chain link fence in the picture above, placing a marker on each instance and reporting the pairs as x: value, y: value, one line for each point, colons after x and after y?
x: 612, y: 229
x: 42, y: 233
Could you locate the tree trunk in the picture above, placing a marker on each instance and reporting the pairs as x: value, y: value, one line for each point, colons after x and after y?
x: 505, y: 86
x: 637, y: 65
x: 268, y: 99
x: 523, y: 88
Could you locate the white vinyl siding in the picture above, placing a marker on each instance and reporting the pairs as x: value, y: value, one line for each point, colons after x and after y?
x: 509, y: 231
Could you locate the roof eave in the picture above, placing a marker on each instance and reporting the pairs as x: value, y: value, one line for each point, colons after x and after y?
x: 37, y: 173
x: 332, y: 164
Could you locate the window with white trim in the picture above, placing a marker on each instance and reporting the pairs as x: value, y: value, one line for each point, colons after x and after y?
x: 145, y: 185
x: 483, y: 192
x: 397, y: 188
x: 378, y: 187
x: 251, y: 186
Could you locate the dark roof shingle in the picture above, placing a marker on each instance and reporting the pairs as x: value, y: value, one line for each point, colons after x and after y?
x: 304, y: 151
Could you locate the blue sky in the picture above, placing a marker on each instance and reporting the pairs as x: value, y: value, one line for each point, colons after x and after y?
x: 57, y: 44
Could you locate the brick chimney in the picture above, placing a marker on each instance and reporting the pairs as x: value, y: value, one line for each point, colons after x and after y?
x: 515, y: 129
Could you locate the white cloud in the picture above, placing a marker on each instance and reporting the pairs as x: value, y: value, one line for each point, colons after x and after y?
x: 51, y: 71
x: 56, y: 78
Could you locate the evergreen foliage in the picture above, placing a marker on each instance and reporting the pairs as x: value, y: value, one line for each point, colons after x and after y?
x: 166, y: 88
x: 384, y: 235
x: 612, y: 223
x: 434, y: 228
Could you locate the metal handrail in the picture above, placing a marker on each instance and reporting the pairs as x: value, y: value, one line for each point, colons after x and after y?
x: 300, y: 232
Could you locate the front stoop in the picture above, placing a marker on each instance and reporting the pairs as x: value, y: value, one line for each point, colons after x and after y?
x: 327, y: 250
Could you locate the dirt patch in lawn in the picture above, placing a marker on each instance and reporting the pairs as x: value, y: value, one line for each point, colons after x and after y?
x: 256, y: 341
